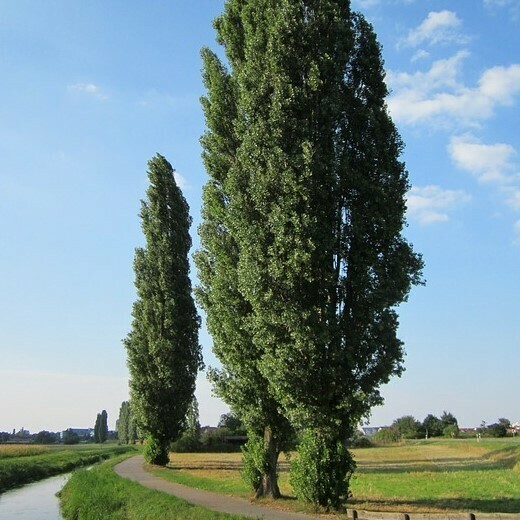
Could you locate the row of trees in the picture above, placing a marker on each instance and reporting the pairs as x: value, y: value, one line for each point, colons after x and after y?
x: 302, y: 260
x: 101, y: 427
x: 407, y: 427
x: 499, y: 429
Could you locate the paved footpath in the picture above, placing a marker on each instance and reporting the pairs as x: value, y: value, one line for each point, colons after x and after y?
x: 132, y: 469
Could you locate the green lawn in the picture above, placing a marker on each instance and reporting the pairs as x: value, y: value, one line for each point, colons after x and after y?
x: 440, y: 475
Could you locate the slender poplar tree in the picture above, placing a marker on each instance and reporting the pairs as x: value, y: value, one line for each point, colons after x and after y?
x: 164, y: 355
x: 97, y: 429
x: 303, y: 260
x: 123, y: 423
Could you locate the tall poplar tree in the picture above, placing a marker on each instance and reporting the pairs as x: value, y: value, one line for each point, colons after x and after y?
x: 164, y: 355
x: 125, y: 424
x: 101, y: 427
x: 303, y: 260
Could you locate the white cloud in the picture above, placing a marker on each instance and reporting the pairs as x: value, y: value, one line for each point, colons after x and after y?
x: 513, y: 197
x: 431, y: 204
x: 421, y: 54
x: 89, y: 89
x: 181, y: 181
x: 512, y: 5
x: 491, y: 163
x: 517, y: 232
x: 438, y: 27
x: 437, y: 96
x: 366, y: 4
x: 487, y: 162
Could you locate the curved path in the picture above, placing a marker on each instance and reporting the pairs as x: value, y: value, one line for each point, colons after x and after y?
x: 132, y: 469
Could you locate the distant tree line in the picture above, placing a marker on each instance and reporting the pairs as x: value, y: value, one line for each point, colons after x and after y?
x: 407, y: 427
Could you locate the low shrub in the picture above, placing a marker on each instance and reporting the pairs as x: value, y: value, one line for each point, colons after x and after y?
x: 321, y: 473
x: 155, y: 451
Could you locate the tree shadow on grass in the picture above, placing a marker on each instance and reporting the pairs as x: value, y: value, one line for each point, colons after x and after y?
x: 435, y: 466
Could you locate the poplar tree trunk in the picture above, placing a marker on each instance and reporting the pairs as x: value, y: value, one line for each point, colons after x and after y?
x: 269, y: 486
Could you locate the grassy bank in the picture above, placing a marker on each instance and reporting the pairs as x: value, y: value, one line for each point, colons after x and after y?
x: 20, y: 465
x: 434, y: 476
x: 100, y: 493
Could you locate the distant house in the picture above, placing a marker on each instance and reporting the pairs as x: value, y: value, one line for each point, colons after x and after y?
x: 370, y: 431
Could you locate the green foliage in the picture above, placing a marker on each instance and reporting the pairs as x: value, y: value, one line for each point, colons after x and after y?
x: 101, y: 427
x: 255, y: 461
x: 125, y: 425
x: 232, y: 423
x: 408, y: 428
x: 432, y: 426
x: 361, y: 441
x: 156, y: 451
x: 452, y: 430
x: 70, y: 437
x: 321, y: 473
x: 45, y: 437
x: 496, y: 430
x: 302, y: 258
x: 448, y: 419
x: 163, y: 350
x: 387, y: 435
x: 190, y: 438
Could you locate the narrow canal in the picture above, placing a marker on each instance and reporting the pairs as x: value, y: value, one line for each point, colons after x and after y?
x: 36, y: 501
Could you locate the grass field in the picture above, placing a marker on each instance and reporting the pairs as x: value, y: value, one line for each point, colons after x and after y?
x: 8, y: 451
x: 433, y: 476
x: 22, y: 464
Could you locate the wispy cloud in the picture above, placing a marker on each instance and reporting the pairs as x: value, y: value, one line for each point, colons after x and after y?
x: 494, y: 164
x: 513, y: 197
x: 88, y: 89
x: 487, y: 162
x: 421, y: 54
x: 517, y: 232
x: 181, y: 181
x: 438, y: 27
x: 366, y: 4
x: 512, y: 5
x: 432, y: 204
x: 438, y: 96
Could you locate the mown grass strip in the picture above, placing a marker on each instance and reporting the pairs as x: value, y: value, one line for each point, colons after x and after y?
x: 100, y: 493
x: 16, y: 471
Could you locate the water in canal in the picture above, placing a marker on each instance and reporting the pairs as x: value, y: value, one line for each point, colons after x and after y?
x: 36, y: 501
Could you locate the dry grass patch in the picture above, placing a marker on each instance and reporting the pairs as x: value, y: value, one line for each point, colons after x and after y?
x: 8, y: 451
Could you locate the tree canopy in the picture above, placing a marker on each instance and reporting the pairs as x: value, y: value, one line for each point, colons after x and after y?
x: 302, y: 260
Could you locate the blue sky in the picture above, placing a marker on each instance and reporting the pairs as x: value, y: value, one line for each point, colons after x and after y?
x: 90, y: 91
